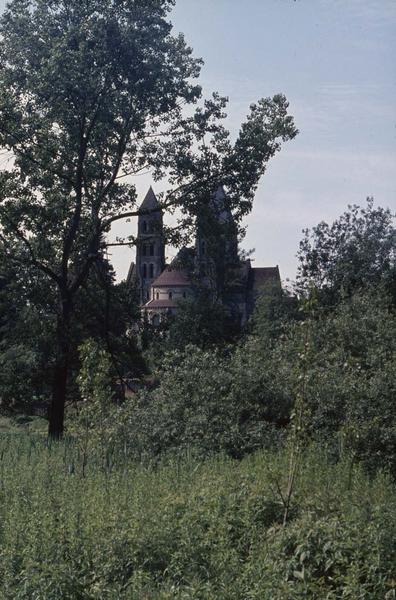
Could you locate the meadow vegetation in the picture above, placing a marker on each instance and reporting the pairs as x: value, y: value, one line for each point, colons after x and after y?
x: 187, y: 528
x: 261, y: 467
x: 249, y: 462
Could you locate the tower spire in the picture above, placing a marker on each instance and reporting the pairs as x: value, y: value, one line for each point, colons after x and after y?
x: 150, y: 200
x: 150, y: 249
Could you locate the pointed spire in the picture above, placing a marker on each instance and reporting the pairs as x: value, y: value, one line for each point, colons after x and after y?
x: 150, y: 201
x: 219, y: 204
x: 218, y: 197
x: 220, y: 193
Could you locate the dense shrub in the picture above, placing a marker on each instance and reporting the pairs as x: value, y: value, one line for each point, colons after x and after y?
x: 340, y: 362
x: 209, y: 401
x: 187, y: 529
x: 350, y: 374
x: 356, y: 251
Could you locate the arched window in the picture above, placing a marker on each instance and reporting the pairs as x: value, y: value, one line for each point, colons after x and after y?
x: 184, y: 295
x: 144, y: 226
x: 144, y: 250
x: 144, y: 271
x: 151, y: 249
x: 170, y: 295
x: 157, y: 295
x: 151, y: 270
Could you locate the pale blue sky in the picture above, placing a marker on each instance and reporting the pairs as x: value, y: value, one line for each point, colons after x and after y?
x: 335, y: 61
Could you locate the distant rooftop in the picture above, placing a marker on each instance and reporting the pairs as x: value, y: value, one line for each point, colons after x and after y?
x: 172, y: 277
x: 161, y: 304
x: 265, y: 278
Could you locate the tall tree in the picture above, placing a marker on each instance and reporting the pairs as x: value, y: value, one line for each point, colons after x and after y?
x: 356, y: 251
x: 26, y: 329
x: 93, y: 92
x: 102, y: 310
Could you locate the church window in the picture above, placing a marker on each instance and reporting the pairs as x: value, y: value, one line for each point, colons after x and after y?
x: 203, y: 248
x: 151, y: 270
x: 144, y: 271
x: 157, y: 295
x: 170, y: 295
x: 184, y: 295
x: 144, y: 226
x: 151, y: 249
x: 144, y: 250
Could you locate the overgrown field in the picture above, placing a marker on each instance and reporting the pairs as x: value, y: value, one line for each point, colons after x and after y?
x: 188, y: 529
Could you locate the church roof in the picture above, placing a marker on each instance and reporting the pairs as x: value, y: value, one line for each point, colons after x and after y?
x: 265, y: 277
x: 161, y: 304
x: 219, y: 203
x: 172, y: 278
x: 150, y: 200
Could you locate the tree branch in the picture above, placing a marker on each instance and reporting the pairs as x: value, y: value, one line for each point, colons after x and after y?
x: 29, y: 248
x: 25, y: 153
x: 138, y: 213
x: 130, y: 244
x: 75, y: 220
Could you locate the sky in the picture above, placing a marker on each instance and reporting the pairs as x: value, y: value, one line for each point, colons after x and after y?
x: 335, y: 62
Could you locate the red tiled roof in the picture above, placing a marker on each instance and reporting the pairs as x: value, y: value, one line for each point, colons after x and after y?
x: 171, y: 278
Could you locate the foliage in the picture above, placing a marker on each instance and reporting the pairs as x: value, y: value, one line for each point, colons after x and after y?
x: 357, y: 250
x: 92, y: 93
x: 210, y: 401
x: 350, y: 377
x: 104, y: 311
x: 331, y: 374
x: 22, y: 423
x: 202, y: 322
x: 26, y: 327
x: 188, y: 529
x: 94, y: 421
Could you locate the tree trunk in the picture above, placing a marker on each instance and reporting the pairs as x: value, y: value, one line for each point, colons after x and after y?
x: 57, y: 410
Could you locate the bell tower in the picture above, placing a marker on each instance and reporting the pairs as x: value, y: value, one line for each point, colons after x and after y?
x: 216, y: 245
x: 150, y: 248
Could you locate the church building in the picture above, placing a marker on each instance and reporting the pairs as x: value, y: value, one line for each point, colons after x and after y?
x: 162, y: 287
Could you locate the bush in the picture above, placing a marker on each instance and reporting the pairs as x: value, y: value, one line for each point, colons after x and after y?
x: 340, y: 363
x: 187, y: 529
x: 210, y: 402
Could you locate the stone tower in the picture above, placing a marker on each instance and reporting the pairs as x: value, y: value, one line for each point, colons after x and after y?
x: 150, y: 248
x: 217, y: 247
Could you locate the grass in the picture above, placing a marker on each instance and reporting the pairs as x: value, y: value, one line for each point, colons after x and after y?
x: 23, y: 423
x: 188, y: 529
